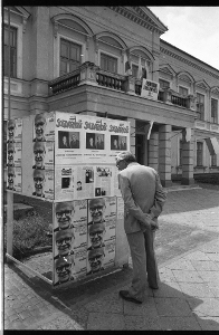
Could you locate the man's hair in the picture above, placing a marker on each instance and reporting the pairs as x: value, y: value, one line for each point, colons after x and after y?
x: 126, y: 156
x: 65, y: 205
x: 95, y: 201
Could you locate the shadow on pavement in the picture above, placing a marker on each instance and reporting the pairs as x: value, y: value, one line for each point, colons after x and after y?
x: 190, y: 200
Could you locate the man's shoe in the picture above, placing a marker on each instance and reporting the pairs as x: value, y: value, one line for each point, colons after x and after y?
x: 154, y: 288
x: 125, y: 295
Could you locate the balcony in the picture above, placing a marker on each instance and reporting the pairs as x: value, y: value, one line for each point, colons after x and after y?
x: 90, y: 74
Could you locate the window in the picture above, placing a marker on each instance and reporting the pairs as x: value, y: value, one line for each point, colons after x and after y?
x: 213, y: 160
x: 108, y: 63
x: 183, y: 91
x: 135, y: 70
x: 200, y: 106
x: 164, y: 84
x: 214, y: 111
x: 13, y: 51
x: 70, y: 56
x: 180, y: 152
x: 199, y: 153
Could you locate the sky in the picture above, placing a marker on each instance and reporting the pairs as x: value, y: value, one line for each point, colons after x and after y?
x: 194, y: 30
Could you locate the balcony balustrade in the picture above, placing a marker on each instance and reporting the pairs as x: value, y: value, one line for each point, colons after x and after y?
x: 89, y: 73
x: 110, y: 80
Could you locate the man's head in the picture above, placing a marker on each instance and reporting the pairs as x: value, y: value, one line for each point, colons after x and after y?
x: 79, y: 185
x: 96, y: 233
x: 63, y: 269
x: 97, y: 208
x: 64, y: 214
x: 40, y: 122
x: 64, y: 140
x: 73, y: 137
x: 95, y: 259
x: 91, y: 141
x: 39, y: 178
x: 11, y: 126
x: 64, y: 241
x: 39, y: 151
x: 123, y: 159
x: 11, y: 175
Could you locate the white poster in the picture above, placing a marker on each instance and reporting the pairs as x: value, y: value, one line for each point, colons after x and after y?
x: 118, y: 138
x: 96, y: 140
x: 14, y: 154
x: 150, y: 89
x: 43, y: 156
x: 64, y: 182
x: 43, y: 184
x: 14, y: 133
x: 103, y: 179
x: 14, y: 178
x: 110, y: 212
x: 95, y: 261
x: 120, y: 208
x: 69, y: 139
x: 110, y: 249
x: 43, y: 127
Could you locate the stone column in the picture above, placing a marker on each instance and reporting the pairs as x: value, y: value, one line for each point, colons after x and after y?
x: 165, y: 154
x: 132, y: 132
x: 153, y: 150
x: 187, y: 160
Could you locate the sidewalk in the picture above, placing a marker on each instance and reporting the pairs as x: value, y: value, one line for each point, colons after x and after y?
x: 188, y: 298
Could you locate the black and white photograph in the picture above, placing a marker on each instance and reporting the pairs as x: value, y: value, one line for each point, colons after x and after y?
x: 110, y: 167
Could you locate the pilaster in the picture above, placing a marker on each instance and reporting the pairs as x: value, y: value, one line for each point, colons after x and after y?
x: 165, y: 154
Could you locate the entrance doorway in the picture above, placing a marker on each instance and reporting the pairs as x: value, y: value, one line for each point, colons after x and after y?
x: 140, y: 149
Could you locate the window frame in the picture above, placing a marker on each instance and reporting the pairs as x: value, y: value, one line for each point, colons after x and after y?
x: 69, y: 60
x: 75, y: 41
x: 164, y: 80
x: 199, y: 160
x: 118, y: 60
x: 19, y: 60
x: 184, y: 88
x: 214, y: 119
x: 213, y: 160
x: 202, y: 114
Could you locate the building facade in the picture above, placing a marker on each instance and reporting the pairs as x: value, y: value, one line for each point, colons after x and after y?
x: 96, y: 60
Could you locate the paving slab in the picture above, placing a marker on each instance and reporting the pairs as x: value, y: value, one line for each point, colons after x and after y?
x: 98, y: 321
x: 172, y: 307
x: 196, y: 290
x: 206, y: 306
x: 138, y: 322
x: 208, y: 322
x: 179, y: 323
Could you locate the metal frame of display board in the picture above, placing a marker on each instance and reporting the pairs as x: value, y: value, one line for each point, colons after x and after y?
x: 10, y: 225
x: 10, y: 203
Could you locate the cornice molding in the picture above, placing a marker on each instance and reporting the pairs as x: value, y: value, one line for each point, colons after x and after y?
x: 188, y: 62
x: 143, y: 21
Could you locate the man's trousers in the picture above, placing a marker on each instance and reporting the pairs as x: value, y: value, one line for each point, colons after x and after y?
x: 144, y: 263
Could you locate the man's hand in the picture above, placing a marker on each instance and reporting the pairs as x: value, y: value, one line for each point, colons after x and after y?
x: 148, y: 223
x: 154, y: 225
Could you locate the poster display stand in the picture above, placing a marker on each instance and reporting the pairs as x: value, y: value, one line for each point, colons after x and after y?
x: 69, y: 160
